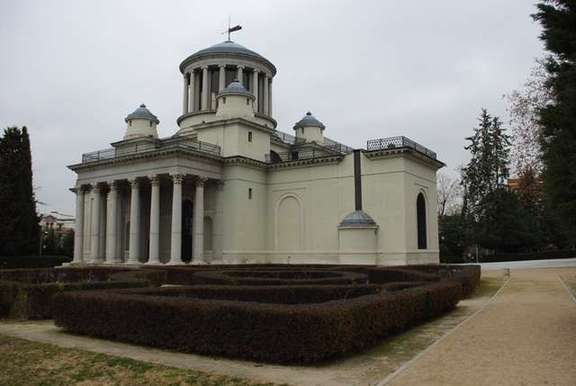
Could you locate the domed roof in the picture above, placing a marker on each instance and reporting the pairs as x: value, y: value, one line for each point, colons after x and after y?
x: 235, y: 88
x: 142, y: 113
x: 226, y: 48
x: 358, y: 218
x: 309, y: 120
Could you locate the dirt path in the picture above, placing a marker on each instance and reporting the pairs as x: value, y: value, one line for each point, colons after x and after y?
x: 525, y: 336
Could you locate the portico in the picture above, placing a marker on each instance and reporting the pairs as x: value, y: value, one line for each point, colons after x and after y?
x: 141, y: 196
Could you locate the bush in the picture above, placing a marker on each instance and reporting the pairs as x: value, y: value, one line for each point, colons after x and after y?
x: 12, y: 262
x: 198, y: 320
x: 540, y: 255
x: 27, y: 294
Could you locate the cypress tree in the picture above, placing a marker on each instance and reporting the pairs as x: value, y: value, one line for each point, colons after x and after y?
x: 19, y: 228
x: 558, y: 118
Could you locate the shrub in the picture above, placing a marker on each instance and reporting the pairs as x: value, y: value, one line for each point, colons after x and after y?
x: 12, y: 262
x: 229, y: 322
x: 27, y: 294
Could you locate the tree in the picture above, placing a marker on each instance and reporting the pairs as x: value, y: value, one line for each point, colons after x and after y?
x: 487, y: 169
x: 526, y: 130
x: 505, y: 225
x: 19, y: 229
x: 558, y: 118
x: 452, y: 241
x: 449, y: 190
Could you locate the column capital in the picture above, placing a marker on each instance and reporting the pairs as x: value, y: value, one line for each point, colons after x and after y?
x: 201, y: 180
x: 222, y: 66
x: 154, y: 179
x: 177, y: 178
x: 95, y: 187
x: 133, y: 182
x: 113, y: 185
x: 204, y: 67
x: 241, y: 66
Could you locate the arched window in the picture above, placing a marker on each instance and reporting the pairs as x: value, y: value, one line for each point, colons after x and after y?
x: 421, y: 221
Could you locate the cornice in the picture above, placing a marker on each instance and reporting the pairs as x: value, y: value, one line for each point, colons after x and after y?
x: 387, y: 153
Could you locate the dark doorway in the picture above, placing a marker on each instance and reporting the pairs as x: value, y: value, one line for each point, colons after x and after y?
x: 187, y: 220
x: 421, y: 220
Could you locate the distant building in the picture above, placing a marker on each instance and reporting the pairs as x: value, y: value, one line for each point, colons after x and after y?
x: 229, y: 187
x: 59, y: 224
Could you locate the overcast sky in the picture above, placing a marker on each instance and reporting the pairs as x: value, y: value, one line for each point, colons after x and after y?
x: 72, y: 70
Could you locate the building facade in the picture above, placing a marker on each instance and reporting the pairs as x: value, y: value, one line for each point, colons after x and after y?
x: 228, y: 187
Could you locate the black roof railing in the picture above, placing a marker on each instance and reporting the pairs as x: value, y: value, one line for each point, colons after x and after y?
x: 139, y: 148
x: 398, y: 143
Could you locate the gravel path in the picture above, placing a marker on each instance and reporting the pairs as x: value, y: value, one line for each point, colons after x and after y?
x: 525, y: 336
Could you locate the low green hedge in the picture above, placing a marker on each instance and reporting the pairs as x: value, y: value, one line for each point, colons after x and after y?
x: 28, y: 293
x: 196, y: 319
x: 12, y: 262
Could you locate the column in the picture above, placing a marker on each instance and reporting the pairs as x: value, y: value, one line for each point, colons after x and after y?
x: 240, y: 75
x: 255, y: 89
x: 218, y: 229
x: 265, y: 100
x: 111, y: 224
x: 95, y: 226
x: 222, y: 78
x: 185, y: 102
x: 79, y: 226
x: 176, y: 240
x: 198, y: 243
x: 191, y: 97
x: 205, y: 88
x: 154, y: 221
x: 270, y: 97
x: 134, y: 250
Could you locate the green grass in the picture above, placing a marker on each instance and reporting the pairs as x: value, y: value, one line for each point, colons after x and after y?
x: 25, y: 363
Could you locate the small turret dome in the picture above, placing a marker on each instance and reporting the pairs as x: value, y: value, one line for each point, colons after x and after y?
x: 309, y: 121
x: 142, y: 113
x: 236, y: 88
x: 358, y: 218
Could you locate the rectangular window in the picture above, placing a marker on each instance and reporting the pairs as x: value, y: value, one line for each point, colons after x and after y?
x: 249, y: 136
x: 249, y: 193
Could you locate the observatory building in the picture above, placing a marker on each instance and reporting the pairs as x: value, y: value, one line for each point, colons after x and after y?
x: 229, y: 187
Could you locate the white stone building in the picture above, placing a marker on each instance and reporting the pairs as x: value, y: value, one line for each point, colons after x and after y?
x: 228, y: 187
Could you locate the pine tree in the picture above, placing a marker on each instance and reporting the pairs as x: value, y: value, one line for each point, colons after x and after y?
x: 487, y: 169
x: 558, y: 118
x: 485, y: 174
x: 19, y: 229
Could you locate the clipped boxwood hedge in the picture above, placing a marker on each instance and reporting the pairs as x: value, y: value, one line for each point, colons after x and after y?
x: 28, y: 293
x: 197, y: 319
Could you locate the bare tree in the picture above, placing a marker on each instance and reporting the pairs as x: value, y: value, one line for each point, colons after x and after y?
x: 449, y: 194
x: 523, y: 107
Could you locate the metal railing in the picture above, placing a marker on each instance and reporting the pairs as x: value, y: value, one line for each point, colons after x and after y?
x: 328, y: 143
x: 298, y: 155
x: 397, y: 143
x: 164, y: 144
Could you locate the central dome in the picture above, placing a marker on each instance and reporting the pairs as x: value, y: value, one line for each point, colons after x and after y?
x: 226, y: 48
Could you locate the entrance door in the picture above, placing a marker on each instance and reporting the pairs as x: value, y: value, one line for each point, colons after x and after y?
x: 187, y: 219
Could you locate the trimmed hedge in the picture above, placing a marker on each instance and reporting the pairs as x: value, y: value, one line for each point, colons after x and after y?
x: 27, y: 294
x: 12, y: 262
x: 272, y: 276
x: 183, y: 320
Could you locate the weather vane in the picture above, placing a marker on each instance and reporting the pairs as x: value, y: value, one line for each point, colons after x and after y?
x: 231, y: 29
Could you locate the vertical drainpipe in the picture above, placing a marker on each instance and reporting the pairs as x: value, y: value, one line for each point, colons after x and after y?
x: 358, y: 179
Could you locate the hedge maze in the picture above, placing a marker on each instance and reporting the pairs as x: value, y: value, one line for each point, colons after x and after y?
x: 280, y: 314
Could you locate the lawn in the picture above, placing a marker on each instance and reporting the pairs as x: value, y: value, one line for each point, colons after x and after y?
x: 28, y: 363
